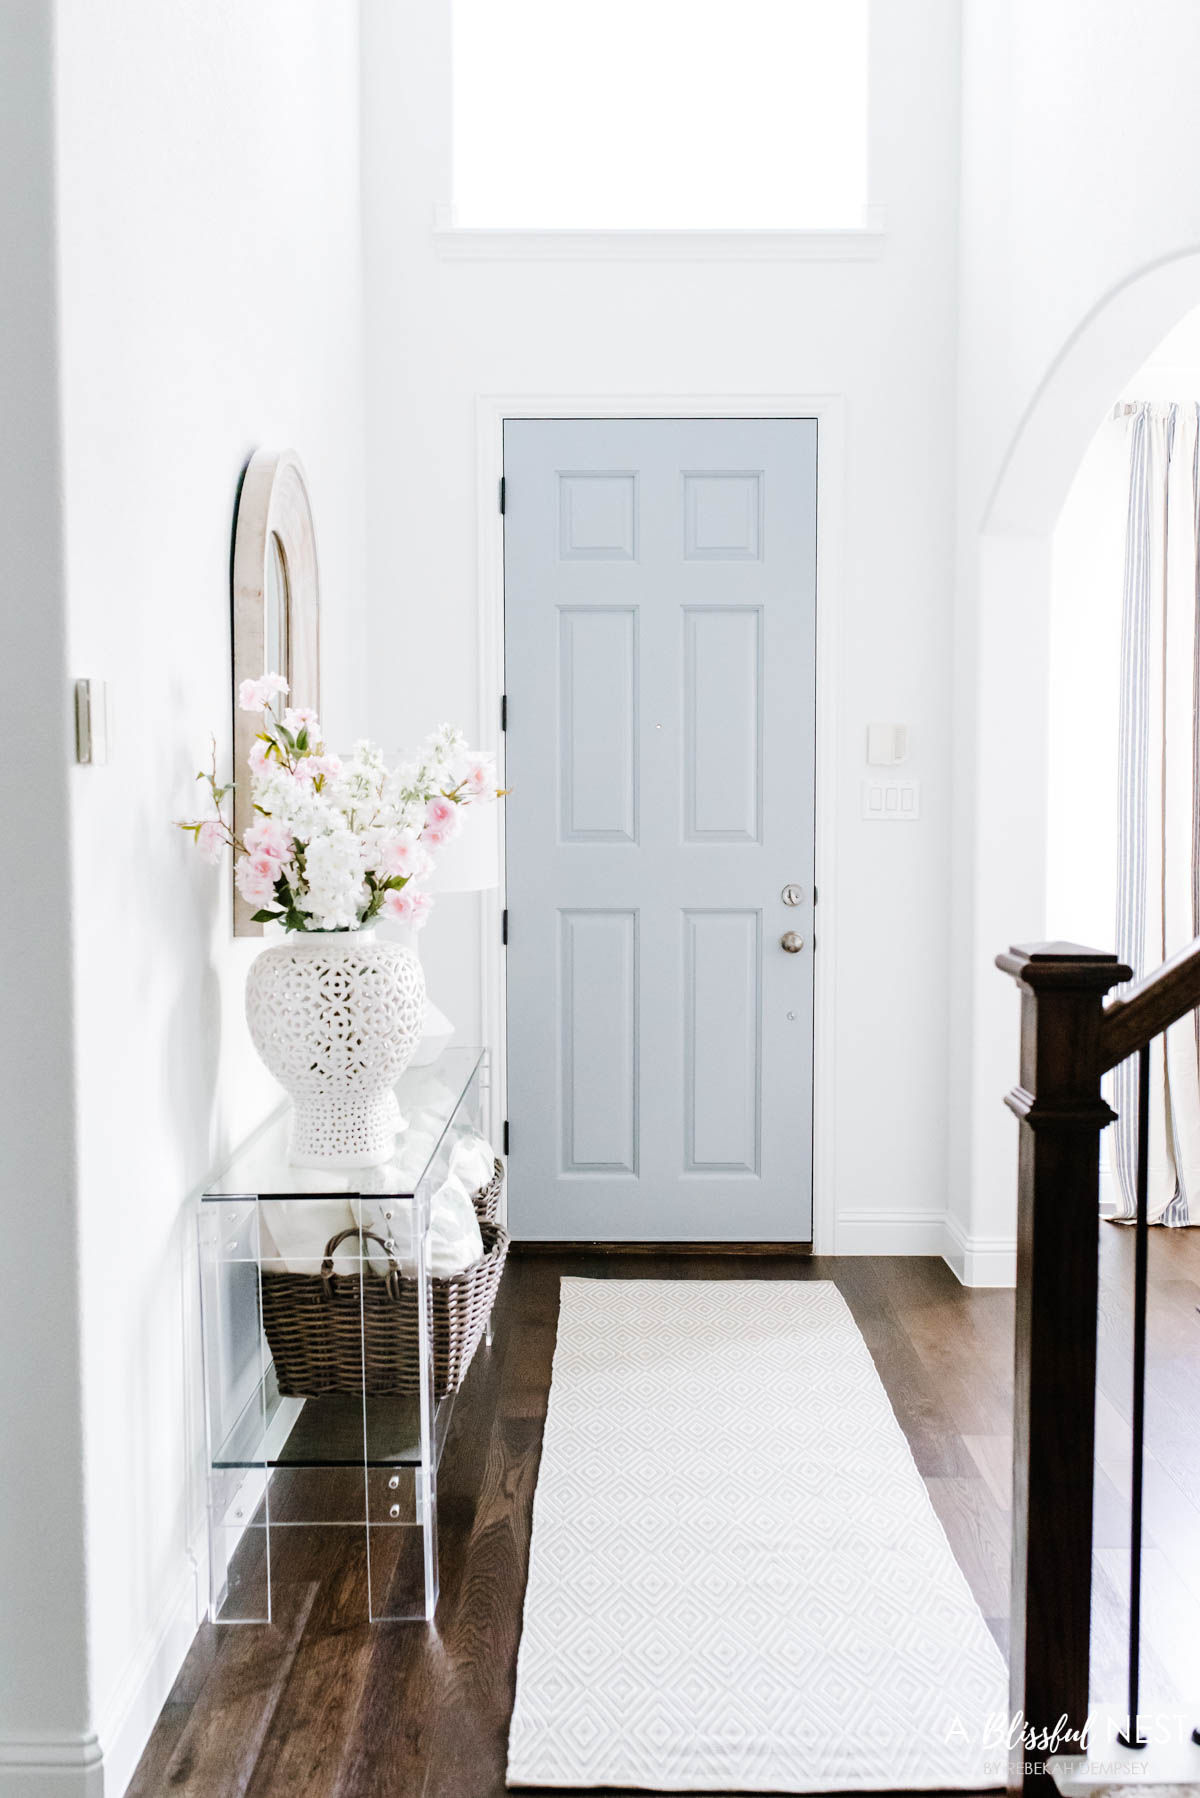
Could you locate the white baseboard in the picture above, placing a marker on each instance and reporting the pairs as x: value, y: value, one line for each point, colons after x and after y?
x: 980, y: 1260
x: 144, y: 1690
x: 101, y: 1765
x: 889, y: 1233
x: 51, y: 1766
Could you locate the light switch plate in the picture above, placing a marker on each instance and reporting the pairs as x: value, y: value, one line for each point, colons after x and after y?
x: 891, y: 800
x: 91, y: 722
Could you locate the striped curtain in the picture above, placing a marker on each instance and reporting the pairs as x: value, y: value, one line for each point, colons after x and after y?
x: 1158, y: 883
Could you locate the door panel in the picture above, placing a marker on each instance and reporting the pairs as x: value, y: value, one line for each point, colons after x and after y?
x: 659, y: 644
x: 722, y: 724
x: 599, y: 984
x: 598, y: 751
x: 722, y: 991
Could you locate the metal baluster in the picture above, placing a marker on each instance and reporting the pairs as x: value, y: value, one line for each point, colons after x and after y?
x: 1131, y: 1736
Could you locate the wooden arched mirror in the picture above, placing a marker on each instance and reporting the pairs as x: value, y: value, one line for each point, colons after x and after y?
x: 276, y: 611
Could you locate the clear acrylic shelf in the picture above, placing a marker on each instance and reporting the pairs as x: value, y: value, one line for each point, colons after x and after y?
x: 343, y: 1480
x: 260, y: 1168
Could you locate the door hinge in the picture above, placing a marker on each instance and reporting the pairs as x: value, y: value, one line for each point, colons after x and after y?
x: 506, y: 1136
x: 502, y: 496
x: 814, y: 895
x: 504, y: 711
x: 504, y: 926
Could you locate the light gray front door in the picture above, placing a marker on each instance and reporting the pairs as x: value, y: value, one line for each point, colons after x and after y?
x: 660, y: 596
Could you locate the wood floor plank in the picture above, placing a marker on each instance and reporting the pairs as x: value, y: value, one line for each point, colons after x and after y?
x: 937, y: 1446
x: 1170, y: 1617
x: 978, y: 1532
x: 470, y: 1745
x: 217, y: 1751
x: 1110, y: 1650
x: 993, y: 1456
x: 307, y: 1740
x: 402, y: 1695
x: 977, y: 1393
x: 1110, y: 1515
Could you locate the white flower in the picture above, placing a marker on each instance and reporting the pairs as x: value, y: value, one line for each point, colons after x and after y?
x: 336, y: 893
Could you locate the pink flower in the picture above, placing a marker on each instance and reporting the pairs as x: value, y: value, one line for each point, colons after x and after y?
x: 311, y: 767
x: 211, y: 839
x: 399, y: 906
x: 260, y: 757
x: 256, y: 695
x: 302, y: 717
x: 270, y: 838
x: 480, y: 780
x: 407, y: 907
x: 442, y: 822
x: 256, y: 887
x: 407, y: 861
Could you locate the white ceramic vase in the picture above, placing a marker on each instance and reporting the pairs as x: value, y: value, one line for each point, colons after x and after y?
x: 336, y: 1016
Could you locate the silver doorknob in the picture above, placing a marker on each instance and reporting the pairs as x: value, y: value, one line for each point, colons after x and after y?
x: 791, y: 942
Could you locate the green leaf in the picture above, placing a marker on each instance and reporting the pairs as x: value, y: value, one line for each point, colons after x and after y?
x: 302, y: 738
x: 266, y: 917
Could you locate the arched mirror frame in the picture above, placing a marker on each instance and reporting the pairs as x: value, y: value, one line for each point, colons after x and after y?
x: 273, y: 534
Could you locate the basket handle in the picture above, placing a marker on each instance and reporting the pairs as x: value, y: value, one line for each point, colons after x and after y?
x: 329, y: 1278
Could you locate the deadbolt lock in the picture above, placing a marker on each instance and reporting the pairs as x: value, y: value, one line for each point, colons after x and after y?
x: 792, y: 894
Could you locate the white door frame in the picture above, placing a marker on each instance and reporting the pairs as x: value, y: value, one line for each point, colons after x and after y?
x: 829, y: 411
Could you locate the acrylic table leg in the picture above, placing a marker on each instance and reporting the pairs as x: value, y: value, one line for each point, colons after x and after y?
x: 426, y: 1494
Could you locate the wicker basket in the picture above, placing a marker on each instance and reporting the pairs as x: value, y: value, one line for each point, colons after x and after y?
x: 317, y: 1324
x: 487, y: 1200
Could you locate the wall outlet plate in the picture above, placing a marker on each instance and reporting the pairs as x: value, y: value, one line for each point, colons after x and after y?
x: 891, y: 800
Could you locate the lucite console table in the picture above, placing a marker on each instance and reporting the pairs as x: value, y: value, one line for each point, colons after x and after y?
x: 299, y: 1485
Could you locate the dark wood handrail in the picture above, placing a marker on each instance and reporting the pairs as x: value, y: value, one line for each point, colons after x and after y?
x: 1070, y: 1038
x: 1155, y: 1002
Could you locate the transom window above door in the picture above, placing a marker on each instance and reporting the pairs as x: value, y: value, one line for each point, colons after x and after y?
x: 660, y: 115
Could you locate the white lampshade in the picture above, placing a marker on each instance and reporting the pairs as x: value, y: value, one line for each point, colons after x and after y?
x: 470, y: 863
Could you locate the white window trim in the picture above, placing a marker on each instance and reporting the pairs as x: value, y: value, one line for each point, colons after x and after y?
x: 465, y: 243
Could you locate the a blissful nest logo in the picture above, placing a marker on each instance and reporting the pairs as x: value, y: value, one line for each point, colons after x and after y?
x: 1004, y: 1737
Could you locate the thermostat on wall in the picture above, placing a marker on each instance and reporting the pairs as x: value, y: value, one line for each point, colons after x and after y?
x: 887, y: 744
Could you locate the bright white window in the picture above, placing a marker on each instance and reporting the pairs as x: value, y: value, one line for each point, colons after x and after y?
x: 660, y: 114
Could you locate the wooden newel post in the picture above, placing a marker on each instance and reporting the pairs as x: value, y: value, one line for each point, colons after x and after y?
x: 1062, y: 1113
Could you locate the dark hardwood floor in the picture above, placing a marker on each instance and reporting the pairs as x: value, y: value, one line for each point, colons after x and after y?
x: 322, y: 1705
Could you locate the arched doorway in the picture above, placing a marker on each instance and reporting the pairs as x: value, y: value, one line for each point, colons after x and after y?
x: 1000, y: 873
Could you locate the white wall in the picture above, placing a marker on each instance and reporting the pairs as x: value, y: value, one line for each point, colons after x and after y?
x: 441, y: 333
x: 1087, y: 563
x: 211, y: 302
x: 1079, y: 231
x: 43, y: 1671
x: 1087, y: 568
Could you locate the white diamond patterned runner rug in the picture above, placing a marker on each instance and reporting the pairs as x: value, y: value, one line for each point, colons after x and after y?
x: 737, y: 1581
